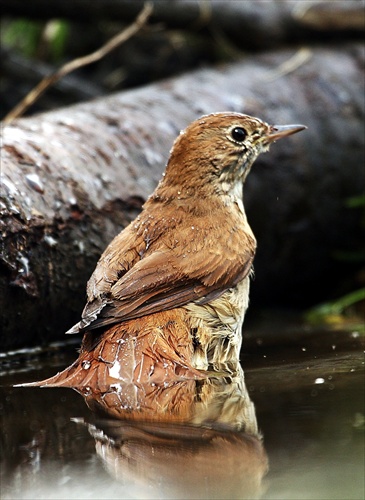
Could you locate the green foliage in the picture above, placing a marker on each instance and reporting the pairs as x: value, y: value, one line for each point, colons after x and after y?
x: 23, y: 35
x: 346, y: 310
x: 58, y: 32
x: 356, y: 201
x: 336, y: 312
x: 37, y: 39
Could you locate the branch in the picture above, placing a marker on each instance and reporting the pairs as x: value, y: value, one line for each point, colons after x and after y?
x: 44, y: 84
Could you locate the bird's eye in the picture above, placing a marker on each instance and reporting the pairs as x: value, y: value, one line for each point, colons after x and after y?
x: 239, y: 134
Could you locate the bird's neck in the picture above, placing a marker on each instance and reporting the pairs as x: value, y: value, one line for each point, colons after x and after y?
x: 180, y: 186
x: 210, y: 199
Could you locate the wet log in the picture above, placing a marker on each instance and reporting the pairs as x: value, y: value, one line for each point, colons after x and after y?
x: 251, y: 23
x: 72, y: 178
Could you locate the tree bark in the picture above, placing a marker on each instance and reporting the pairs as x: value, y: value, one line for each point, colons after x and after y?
x: 72, y: 178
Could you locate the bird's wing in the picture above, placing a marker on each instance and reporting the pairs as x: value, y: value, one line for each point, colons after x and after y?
x: 165, y: 279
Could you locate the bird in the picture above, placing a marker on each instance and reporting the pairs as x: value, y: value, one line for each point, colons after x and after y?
x: 168, y: 296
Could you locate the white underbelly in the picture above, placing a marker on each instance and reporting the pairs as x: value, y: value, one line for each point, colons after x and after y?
x: 217, y: 328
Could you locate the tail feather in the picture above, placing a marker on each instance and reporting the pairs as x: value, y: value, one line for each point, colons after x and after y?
x: 134, y: 352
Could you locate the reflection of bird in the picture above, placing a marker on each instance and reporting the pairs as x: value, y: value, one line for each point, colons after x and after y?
x: 222, y: 402
x: 169, y: 294
x: 170, y: 440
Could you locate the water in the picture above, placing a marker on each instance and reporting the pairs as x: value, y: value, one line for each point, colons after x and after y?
x: 302, y: 439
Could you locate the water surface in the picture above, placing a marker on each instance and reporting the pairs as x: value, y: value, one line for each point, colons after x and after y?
x: 291, y: 427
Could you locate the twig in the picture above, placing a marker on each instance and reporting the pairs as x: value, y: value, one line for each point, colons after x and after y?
x: 298, y: 59
x: 43, y: 85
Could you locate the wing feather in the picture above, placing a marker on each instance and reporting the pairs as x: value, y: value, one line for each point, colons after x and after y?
x: 162, y: 276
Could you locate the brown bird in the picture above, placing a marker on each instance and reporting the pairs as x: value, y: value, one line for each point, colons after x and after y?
x: 168, y: 296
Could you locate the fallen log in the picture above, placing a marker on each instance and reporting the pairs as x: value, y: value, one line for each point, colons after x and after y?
x: 72, y: 178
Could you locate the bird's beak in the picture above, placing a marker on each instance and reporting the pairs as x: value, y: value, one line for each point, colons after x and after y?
x: 279, y: 131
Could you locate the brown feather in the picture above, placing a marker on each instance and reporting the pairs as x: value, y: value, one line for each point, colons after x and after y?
x: 147, y: 350
x: 176, y: 280
x: 134, y: 278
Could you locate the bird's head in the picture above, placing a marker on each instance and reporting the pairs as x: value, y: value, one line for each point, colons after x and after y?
x: 219, y: 149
